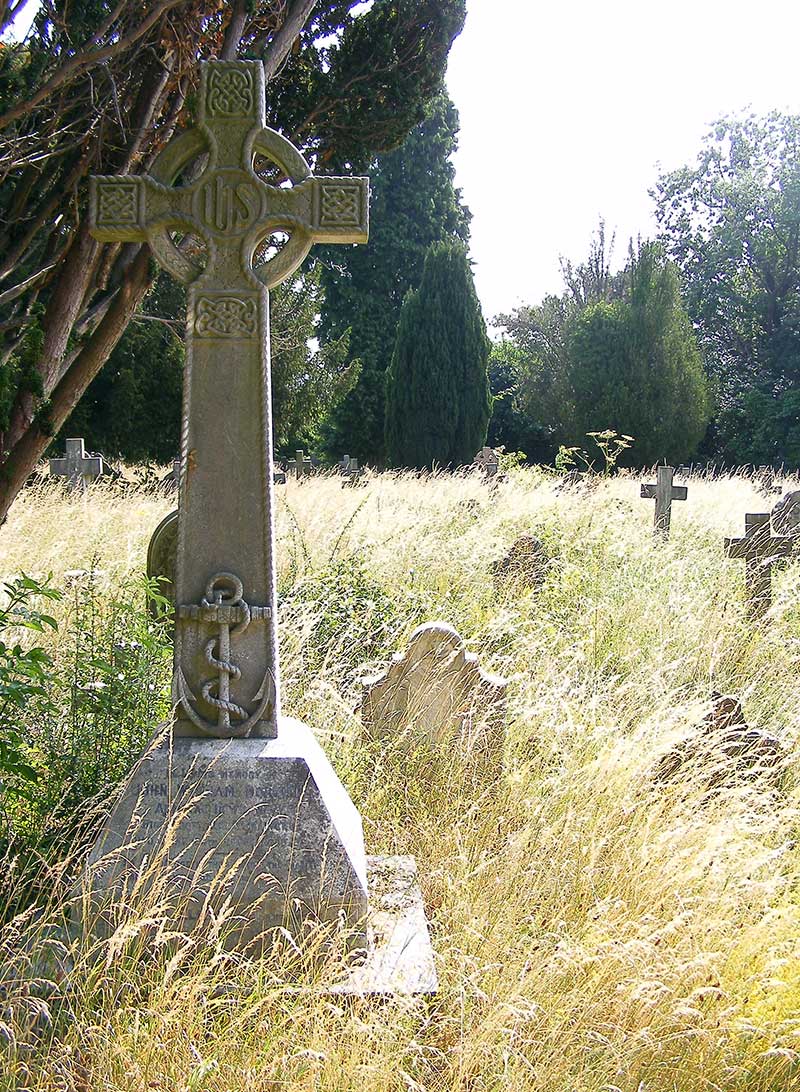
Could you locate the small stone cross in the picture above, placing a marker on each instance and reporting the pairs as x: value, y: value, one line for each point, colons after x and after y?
x: 77, y: 466
x: 300, y: 465
x: 664, y: 493
x: 760, y: 550
x: 225, y: 681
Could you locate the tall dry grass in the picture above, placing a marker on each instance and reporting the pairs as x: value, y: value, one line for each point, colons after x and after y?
x: 593, y: 934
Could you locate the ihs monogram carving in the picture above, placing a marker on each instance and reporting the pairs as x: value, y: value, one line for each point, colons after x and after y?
x: 117, y: 203
x: 225, y: 316
x: 340, y: 205
x: 228, y: 203
x: 230, y: 93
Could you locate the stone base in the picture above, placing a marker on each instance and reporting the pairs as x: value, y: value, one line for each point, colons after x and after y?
x: 259, y: 832
x: 399, y: 959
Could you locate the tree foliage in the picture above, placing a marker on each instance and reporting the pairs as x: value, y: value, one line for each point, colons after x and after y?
x: 511, y: 425
x: 731, y: 223
x: 99, y: 87
x: 437, y: 391
x: 635, y: 366
x: 614, y: 352
x: 414, y: 204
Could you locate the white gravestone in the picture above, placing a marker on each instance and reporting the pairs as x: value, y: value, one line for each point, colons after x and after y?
x: 78, y: 466
x: 436, y: 692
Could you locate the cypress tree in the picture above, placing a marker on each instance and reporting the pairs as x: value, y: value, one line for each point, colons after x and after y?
x: 437, y: 391
x: 413, y: 204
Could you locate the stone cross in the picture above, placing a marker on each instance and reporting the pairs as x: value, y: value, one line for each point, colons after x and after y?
x: 300, y: 466
x: 226, y: 667
x: 760, y: 550
x: 252, y: 827
x: 78, y: 466
x: 664, y: 493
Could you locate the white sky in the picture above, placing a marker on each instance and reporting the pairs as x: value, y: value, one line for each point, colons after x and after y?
x: 568, y: 108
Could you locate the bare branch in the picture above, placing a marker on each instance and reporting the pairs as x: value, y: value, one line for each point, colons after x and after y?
x: 87, y: 59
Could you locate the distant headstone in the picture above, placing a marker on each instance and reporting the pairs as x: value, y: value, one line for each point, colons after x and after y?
x: 351, y: 471
x: 162, y: 556
x: 488, y: 461
x: 723, y: 751
x: 786, y: 515
x: 436, y: 693
x: 664, y: 493
x: 524, y: 566
x: 235, y: 810
x: 300, y: 466
x: 759, y: 550
x: 78, y: 466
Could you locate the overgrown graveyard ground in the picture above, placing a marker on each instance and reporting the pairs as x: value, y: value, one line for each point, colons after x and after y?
x: 592, y: 932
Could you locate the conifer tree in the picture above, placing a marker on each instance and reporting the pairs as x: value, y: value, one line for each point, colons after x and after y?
x: 413, y: 204
x: 437, y: 391
x: 634, y: 365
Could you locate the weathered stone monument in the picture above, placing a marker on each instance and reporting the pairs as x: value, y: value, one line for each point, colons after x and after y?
x: 760, y: 550
x: 524, y: 566
x: 171, y: 481
x: 162, y: 558
x: 436, y: 693
x: 664, y: 493
x: 488, y: 461
x: 232, y: 784
x: 78, y: 466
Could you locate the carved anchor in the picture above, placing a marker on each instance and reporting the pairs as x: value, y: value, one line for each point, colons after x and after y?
x: 223, y: 605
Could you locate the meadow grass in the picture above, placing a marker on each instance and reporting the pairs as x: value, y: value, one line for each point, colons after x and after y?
x: 593, y: 933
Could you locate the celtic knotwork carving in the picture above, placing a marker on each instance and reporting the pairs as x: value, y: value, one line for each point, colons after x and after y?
x: 340, y: 206
x: 230, y: 93
x: 117, y: 203
x: 222, y: 606
x: 225, y: 316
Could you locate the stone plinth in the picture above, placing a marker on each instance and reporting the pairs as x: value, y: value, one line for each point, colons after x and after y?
x: 270, y: 815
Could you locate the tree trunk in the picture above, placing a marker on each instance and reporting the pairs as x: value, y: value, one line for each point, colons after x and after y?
x: 70, y: 388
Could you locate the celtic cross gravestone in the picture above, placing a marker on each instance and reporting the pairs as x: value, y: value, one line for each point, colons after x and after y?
x: 234, y: 780
x: 225, y: 530
x: 759, y: 549
x: 664, y: 493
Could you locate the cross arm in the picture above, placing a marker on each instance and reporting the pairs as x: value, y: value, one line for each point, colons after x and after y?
x: 340, y: 210
x: 648, y: 492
